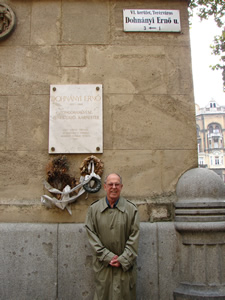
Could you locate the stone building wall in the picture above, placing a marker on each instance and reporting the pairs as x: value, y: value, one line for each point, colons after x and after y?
x: 149, y: 113
x: 149, y: 138
x: 54, y: 261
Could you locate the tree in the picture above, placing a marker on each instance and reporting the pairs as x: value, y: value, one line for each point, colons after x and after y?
x: 215, y: 8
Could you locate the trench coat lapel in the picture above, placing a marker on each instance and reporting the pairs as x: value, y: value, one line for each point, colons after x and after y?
x: 120, y: 205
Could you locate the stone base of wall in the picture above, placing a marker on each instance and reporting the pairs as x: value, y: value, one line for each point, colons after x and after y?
x: 54, y: 261
x: 150, y: 210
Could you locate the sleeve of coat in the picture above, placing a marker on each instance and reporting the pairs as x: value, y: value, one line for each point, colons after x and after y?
x: 129, y: 254
x: 101, y: 252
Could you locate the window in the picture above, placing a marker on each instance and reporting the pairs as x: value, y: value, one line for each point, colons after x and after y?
x: 212, y: 104
x: 216, y: 143
x: 210, y: 129
x: 217, y: 160
x: 198, y: 131
x: 201, y: 161
x: 217, y: 129
x: 211, y: 160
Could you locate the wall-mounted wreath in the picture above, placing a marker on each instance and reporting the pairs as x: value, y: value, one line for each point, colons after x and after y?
x: 65, y: 188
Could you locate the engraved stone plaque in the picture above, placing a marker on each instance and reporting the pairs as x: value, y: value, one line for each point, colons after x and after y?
x: 75, y: 119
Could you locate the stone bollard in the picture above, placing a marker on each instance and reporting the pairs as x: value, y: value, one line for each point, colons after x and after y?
x: 200, y: 219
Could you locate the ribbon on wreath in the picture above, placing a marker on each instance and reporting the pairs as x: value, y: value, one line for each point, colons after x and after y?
x: 90, y: 183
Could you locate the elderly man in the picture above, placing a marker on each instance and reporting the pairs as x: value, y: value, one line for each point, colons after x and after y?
x: 112, y: 225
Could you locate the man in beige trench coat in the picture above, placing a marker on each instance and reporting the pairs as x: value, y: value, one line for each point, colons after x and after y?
x: 112, y: 225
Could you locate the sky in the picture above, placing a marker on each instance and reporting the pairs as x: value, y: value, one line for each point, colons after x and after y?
x: 208, y: 84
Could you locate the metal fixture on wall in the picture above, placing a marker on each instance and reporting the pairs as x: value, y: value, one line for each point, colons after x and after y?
x: 7, y: 21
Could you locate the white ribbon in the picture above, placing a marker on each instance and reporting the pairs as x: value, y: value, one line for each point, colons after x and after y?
x: 65, y: 194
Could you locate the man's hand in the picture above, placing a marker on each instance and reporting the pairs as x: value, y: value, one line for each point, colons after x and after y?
x: 114, y: 262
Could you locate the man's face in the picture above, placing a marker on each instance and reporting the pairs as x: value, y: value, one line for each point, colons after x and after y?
x: 113, y: 187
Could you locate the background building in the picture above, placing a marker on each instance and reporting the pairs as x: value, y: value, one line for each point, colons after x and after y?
x: 210, y: 134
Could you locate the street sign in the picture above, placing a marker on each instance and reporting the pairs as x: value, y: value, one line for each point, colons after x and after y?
x: 151, y: 20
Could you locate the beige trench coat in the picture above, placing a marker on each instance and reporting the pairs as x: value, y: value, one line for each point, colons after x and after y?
x: 114, y: 231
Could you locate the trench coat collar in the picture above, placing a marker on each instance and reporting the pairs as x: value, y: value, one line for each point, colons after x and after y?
x: 120, y: 205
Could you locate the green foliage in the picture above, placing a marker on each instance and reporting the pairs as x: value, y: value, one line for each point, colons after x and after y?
x: 207, y: 8
x: 216, y: 9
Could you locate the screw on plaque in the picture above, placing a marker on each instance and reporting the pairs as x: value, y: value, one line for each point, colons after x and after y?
x: 53, y: 149
x: 54, y: 89
x: 97, y: 88
x: 97, y: 148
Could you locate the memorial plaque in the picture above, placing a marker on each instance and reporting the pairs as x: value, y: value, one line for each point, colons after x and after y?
x: 75, y: 119
x: 151, y: 20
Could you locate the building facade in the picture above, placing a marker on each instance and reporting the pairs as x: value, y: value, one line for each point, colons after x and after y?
x: 210, y: 122
x: 149, y: 137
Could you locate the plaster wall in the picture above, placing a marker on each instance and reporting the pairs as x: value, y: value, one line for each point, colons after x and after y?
x: 149, y: 112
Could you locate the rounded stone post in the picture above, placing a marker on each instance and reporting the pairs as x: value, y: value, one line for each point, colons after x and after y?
x: 200, y: 219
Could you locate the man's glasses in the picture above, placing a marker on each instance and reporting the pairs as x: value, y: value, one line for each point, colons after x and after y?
x: 113, y: 184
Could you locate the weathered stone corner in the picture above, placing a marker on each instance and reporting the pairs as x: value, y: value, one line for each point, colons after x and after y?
x: 200, y: 219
